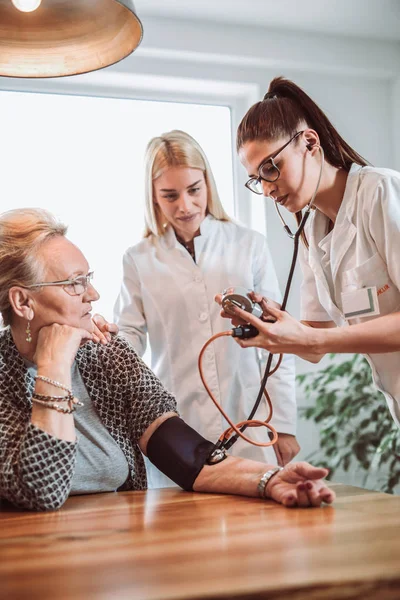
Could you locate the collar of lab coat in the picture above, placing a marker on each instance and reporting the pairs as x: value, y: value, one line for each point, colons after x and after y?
x: 168, y: 240
x: 343, y: 234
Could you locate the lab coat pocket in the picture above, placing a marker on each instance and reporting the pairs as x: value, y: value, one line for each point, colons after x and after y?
x: 373, y: 272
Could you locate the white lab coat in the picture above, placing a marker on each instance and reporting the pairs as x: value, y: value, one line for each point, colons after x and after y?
x: 168, y: 296
x: 362, y: 250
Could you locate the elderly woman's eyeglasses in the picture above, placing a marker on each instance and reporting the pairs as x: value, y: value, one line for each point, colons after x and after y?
x: 267, y: 171
x: 73, y: 287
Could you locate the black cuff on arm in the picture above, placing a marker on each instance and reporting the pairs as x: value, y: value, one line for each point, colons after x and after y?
x: 179, y: 451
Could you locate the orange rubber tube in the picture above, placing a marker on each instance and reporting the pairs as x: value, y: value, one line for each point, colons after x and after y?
x: 253, y: 422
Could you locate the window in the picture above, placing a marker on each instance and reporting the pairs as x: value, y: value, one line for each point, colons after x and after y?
x: 81, y: 157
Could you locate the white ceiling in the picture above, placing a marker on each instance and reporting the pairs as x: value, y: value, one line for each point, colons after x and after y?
x: 377, y: 19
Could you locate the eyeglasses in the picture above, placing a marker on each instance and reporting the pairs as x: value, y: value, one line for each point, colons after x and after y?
x: 73, y: 287
x: 267, y: 171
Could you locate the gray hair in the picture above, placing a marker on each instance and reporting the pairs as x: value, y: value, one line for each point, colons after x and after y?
x: 22, y: 233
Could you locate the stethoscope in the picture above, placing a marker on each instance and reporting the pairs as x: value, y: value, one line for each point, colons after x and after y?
x: 224, y: 444
x: 309, y: 206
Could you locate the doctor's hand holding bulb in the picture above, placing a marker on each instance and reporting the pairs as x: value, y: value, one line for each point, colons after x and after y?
x: 350, y: 256
x: 191, y: 249
x: 279, y: 332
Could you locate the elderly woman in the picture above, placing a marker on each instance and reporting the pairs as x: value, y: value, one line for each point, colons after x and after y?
x: 76, y: 415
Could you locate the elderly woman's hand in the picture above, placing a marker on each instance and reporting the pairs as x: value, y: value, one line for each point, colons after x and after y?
x: 58, y: 345
x: 102, y: 329
x: 300, y: 484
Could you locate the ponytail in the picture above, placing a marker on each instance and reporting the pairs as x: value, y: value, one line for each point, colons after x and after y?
x: 285, y: 109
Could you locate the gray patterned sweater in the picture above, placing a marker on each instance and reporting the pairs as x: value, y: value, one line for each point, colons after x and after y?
x: 36, y: 469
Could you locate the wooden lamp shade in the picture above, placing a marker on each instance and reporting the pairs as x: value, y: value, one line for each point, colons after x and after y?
x: 66, y: 37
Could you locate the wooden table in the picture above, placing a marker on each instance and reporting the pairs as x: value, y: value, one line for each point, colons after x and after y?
x: 165, y: 544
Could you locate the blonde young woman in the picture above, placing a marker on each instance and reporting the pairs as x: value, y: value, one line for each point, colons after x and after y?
x: 192, y: 250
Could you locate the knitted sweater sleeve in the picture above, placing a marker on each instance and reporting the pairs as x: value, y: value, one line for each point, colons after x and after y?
x: 36, y: 469
x: 143, y: 395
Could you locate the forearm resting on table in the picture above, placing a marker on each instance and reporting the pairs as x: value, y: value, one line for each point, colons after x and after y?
x: 376, y: 336
x: 233, y: 475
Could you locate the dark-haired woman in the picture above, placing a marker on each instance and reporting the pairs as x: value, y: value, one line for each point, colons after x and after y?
x: 351, y: 259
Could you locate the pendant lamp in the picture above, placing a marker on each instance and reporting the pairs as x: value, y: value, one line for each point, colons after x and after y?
x: 54, y: 38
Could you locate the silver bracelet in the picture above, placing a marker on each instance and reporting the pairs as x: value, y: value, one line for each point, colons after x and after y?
x: 54, y: 383
x: 262, y: 484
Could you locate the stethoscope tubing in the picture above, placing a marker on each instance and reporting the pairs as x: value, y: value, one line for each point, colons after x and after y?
x: 296, y: 238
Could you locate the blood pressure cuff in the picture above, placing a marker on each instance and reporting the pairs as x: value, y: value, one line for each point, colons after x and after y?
x: 178, y: 451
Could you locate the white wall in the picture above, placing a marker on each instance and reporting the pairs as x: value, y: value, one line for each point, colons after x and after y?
x: 356, y: 81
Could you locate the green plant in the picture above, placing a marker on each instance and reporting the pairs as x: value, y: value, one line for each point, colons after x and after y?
x: 356, y: 428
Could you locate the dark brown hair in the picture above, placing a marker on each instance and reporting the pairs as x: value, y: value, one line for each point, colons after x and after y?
x: 284, y: 108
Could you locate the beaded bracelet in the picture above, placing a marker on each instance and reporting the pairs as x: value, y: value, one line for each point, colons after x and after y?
x: 58, y: 398
x: 70, y: 398
x: 54, y: 406
x: 53, y: 382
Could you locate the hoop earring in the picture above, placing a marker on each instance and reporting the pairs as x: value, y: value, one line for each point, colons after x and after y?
x: 28, y: 333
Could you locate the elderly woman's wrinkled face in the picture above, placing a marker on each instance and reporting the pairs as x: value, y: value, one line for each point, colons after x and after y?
x: 62, y: 261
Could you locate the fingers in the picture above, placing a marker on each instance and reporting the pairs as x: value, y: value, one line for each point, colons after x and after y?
x: 99, y: 336
x: 104, y: 326
x: 99, y: 321
x: 86, y: 336
x: 314, y: 493
x: 269, y: 307
x: 308, y: 494
x: 289, y: 500
x: 102, y: 330
x: 256, y: 297
x: 260, y: 299
x: 329, y: 498
x: 308, y: 471
x: 318, y: 493
x: 270, y: 311
x: 247, y: 317
x: 303, y: 500
x: 112, y: 328
x: 250, y: 343
x: 236, y: 321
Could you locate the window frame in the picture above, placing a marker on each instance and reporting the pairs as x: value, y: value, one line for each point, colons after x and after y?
x: 110, y: 83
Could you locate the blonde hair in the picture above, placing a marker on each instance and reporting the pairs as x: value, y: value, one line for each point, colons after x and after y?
x: 176, y: 149
x: 22, y: 232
